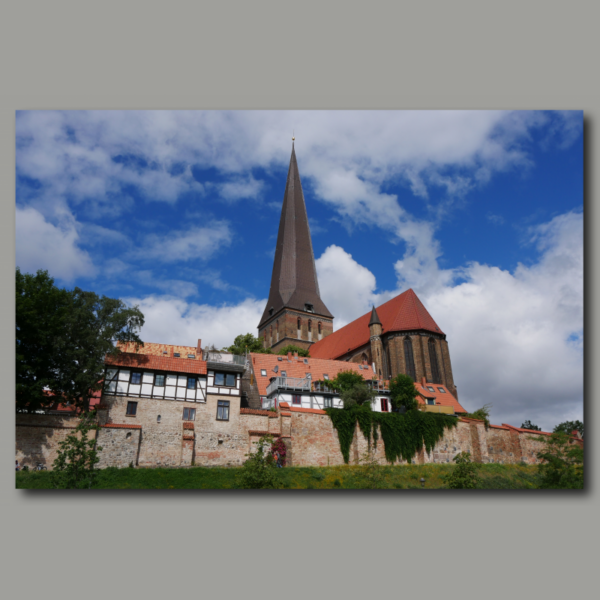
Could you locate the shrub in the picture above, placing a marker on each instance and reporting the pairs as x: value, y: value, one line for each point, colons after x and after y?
x: 259, y: 471
x: 464, y: 476
x: 562, y: 466
x: 403, y: 392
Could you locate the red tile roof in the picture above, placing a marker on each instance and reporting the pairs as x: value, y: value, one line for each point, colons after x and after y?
x: 255, y: 411
x: 441, y: 398
x: 297, y: 368
x: 158, y: 363
x: 152, y: 349
x: 402, y: 313
x: 121, y: 426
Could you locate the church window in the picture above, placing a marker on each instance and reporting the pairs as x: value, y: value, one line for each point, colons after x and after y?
x: 223, y: 410
x: 435, y: 371
x: 309, y: 325
x: 319, y: 327
x: 409, y: 359
x: 309, y: 307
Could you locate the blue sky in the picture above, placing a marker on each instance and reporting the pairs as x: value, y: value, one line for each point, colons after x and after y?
x: 480, y: 212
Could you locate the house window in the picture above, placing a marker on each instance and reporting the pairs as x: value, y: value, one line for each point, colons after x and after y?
x: 431, y: 401
x: 176, y: 354
x: 223, y: 410
x: 136, y: 378
x: 326, y: 377
x: 263, y: 372
x: 296, y: 399
x: 306, y: 361
x: 191, y: 383
x: 159, y: 380
x: 328, y: 402
x: 442, y: 390
x: 189, y: 414
x: 308, y: 376
x: 131, y: 409
x: 384, y: 405
x: 225, y: 379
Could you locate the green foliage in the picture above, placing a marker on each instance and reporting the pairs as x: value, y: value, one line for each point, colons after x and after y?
x: 403, y: 392
x: 403, y: 435
x: 360, y: 394
x: 529, y: 425
x: 259, y: 471
x: 62, y: 339
x: 248, y: 342
x: 371, y: 475
x: 465, y: 475
x: 569, y: 426
x: 291, y: 348
x: 346, y: 380
x: 73, y: 467
x: 562, y: 466
x: 481, y: 414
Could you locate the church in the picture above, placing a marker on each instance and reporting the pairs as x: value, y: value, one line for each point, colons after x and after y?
x: 399, y: 336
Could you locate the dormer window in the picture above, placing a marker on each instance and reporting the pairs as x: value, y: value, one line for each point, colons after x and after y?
x: 442, y: 390
x: 271, y: 312
x: 430, y: 389
x: 326, y: 377
x: 176, y: 354
x: 280, y: 358
x: 309, y: 307
x: 191, y: 356
x: 306, y: 361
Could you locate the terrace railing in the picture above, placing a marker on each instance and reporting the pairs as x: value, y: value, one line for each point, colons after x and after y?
x: 296, y: 384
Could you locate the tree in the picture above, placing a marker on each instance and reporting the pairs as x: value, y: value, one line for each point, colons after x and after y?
x: 562, y: 466
x: 291, y: 348
x: 529, y: 425
x: 569, y: 426
x: 360, y: 393
x: 465, y: 475
x: 346, y: 380
x: 78, y: 330
x: 247, y: 342
x: 482, y: 414
x: 259, y: 471
x: 403, y: 392
x: 77, y: 454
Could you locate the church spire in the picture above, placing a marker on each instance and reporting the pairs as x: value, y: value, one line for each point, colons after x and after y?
x: 294, y: 282
x: 374, y: 318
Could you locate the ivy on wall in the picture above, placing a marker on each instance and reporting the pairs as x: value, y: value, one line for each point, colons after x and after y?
x: 403, y: 435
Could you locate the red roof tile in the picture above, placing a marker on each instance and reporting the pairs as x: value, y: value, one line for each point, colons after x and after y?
x: 158, y: 363
x: 317, y: 367
x: 402, y: 313
x: 441, y: 398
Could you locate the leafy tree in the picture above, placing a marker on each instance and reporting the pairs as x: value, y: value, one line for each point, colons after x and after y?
x: 359, y: 393
x: 562, y: 466
x: 482, y: 414
x: 403, y: 392
x: 529, y: 425
x: 346, y: 380
x: 465, y: 475
x: 78, y: 329
x: 74, y: 464
x: 260, y: 470
x: 291, y: 348
x: 247, y: 342
x: 569, y: 426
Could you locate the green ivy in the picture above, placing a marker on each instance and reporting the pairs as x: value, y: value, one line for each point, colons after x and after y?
x: 403, y: 435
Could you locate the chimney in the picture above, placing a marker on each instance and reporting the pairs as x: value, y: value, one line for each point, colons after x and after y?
x: 423, y: 381
x: 289, y: 356
x: 199, y: 349
x: 296, y: 355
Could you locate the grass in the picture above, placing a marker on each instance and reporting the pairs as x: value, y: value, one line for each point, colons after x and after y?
x: 493, y: 476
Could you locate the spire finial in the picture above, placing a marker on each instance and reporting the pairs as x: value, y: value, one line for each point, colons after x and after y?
x: 293, y: 136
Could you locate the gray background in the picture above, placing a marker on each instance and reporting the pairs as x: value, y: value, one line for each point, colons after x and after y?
x: 71, y: 55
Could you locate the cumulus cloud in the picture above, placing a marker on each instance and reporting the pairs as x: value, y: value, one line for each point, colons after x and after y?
x: 171, y: 320
x: 42, y: 245
x: 240, y: 188
x: 516, y: 339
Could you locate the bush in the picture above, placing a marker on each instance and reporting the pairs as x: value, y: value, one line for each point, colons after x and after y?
x: 77, y: 455
x: 259, y: 471
x: 403, y: 392
x: 464, y: 476
x: 562, y: 466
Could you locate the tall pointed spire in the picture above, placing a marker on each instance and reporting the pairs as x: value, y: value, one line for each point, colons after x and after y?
x: 374, y: 318
x: 294, y: 280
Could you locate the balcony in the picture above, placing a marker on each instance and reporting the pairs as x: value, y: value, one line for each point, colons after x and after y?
x: 295, y: 384
x: 323, y: 388
x: 446, y: 410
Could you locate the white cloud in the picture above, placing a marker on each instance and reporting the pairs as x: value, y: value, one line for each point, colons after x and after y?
x: 199, y: 242
x: 42, y: 245
x: 515, y: 338
x: 240, y: 188
x: 170, y: 320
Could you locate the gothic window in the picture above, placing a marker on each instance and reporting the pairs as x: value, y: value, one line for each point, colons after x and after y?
x: 435, y: 371
x: 364, y: 357
x: 409, y: 359
x: 309, y: 325
x: 299, y: 332
x: 319, y: 326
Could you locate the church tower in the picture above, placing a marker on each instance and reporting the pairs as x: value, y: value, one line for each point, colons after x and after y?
x: 375, y: 330
x: 295, y: 313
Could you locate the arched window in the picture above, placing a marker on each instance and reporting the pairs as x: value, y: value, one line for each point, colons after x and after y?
x: 309, y: 325
x: 435, y: 371
x: 319, y: 326
x: 409, y: 359
x: 299, y: 323
x: 277, y: 331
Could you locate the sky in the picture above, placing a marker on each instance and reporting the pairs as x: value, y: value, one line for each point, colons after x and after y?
x: 479, y: 212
